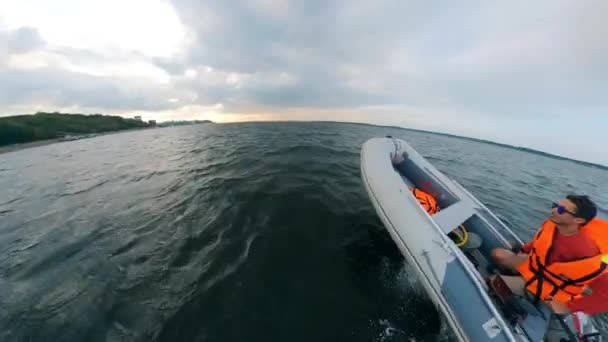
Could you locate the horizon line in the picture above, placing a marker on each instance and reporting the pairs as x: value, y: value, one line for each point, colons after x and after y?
x: 452, y: 135
x: 505, y: 145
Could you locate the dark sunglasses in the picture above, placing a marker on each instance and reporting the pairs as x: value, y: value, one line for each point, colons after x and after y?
x: 561, y: 209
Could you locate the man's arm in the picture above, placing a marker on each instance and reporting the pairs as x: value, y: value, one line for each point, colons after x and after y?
x: 527, y: 247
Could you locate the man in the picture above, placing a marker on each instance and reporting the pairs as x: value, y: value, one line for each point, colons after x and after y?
x: 564, y: 260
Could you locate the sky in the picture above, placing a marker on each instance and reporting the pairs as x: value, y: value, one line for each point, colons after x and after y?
x: 525, y: 73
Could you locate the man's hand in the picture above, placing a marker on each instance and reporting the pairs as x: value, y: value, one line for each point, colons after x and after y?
x: 557, y: 307
x: 516, y: 249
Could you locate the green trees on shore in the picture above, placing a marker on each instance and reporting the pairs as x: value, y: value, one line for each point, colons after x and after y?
x: 41, y: 126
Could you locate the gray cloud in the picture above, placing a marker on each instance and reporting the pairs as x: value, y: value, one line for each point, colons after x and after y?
x: 495, y: 58
x: 334, y: 52
x: 23, y: 39
x: 61, y: 88
x: 56, y: 85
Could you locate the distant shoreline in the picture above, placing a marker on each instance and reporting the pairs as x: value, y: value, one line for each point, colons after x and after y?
x: 30, y: 130
x: 18, y: 132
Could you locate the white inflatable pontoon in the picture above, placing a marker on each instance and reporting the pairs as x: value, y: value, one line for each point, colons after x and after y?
x: 455, y: 277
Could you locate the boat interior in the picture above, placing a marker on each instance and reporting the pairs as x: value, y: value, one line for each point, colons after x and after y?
x: 473, y: 228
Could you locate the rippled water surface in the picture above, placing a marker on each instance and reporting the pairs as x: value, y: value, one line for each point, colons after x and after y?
x: 234, y: 232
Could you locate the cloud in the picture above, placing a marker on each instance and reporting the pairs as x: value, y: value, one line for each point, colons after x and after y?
x: 488, y: 57
x: 23, y: 39
x: 59, y: 88
x: 36, y: 76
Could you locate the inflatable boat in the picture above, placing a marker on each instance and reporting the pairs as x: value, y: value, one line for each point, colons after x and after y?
x: 450, y: 250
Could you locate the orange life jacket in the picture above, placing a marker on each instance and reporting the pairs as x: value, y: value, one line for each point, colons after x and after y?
x: 427, y: 201
x: 563, y: 280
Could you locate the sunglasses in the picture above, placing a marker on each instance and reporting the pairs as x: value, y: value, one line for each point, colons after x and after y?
x: 561, y: 209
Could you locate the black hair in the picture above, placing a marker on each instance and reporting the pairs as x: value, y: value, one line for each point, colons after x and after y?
x: 585, y: 208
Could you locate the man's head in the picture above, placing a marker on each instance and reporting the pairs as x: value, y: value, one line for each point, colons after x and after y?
x: 573, y: 209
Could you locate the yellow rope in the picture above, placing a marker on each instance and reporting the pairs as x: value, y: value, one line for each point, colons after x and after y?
x: 463, y: 238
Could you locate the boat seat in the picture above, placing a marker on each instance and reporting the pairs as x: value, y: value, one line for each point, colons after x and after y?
x: 453, y: 216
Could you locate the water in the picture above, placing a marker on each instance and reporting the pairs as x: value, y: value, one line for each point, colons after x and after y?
x: 235, y: 232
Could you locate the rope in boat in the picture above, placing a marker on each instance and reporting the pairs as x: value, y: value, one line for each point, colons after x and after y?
x: 462, y: 234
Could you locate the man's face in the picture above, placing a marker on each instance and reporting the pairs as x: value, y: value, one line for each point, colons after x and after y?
x: 567, y: 217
